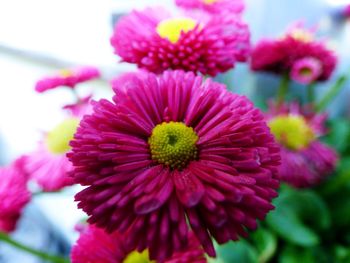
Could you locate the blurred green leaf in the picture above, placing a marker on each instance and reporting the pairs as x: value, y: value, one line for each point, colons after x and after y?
x: 265, y: 243
x: 292, y: 254
x: 342, y: 254
x: 233, y: 252
x: 339, y: 134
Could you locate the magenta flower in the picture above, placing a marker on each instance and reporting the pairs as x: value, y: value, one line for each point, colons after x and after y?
x: 14, y: 194
x: 68, y: 78
x: 173, y: 149
x: 96, y: 246
x: 281, y: 55
x: 306, y: 70
x: 156, y: 41
x: 305, y: 160
x: 213, y: 6
x: 346, y: 11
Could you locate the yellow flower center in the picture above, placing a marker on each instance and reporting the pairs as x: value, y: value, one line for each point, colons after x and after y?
x: 65, y: 73
x: 292, y: 131
x: 209, y: 2
x: 302, y: 35
x: 137, y: 257
x: 173, y: 144
x: 171, y: 28
x: 57, y: 140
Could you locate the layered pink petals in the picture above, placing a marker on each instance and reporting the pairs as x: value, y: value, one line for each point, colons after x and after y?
x: 14, y: 194
x: 68, y: 78
x: 215, y: 7
x: 221, y: 193
x: 280, y: 55
x: 213, y: 46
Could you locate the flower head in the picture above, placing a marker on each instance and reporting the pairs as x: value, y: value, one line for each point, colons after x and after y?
x: 305, y: 160
x: 68, y: 78
x: 156, y: 41
x: 173, y: 150
x: 14, y: 194
x: 346, y: 11
x: 96, y: 246
x: 214, y: 6
x: 292, y: 53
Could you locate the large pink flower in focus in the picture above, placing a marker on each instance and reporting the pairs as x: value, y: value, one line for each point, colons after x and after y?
x: 306, y: 161
x: 156, y: 41
x: 68, y: 78
x: 213, y: 6
x: 173, y: 150
x: 96, y: 246
x: 280, y: 55
x: 14, y: 194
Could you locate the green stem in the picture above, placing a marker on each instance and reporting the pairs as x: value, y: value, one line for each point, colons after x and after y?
x: 55, y: 259
x: 283, y: 88
x: 332, y: 93
x: 311, y: 93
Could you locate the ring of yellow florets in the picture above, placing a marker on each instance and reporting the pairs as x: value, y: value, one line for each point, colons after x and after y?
x: 292, y: 131
x: 173, y: 144
x: 138, y: 257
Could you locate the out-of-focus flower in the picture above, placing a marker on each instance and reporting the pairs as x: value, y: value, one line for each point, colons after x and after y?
x: 96, y: 246
x: 14, y: 194
x: 68, y: 78
x: 305, y: 160
x: 171, y: 151
x: 306, y: 70
x: 346, y: 11
x: 281, y: 55
x: 214, y: 6
x: 156, y: 41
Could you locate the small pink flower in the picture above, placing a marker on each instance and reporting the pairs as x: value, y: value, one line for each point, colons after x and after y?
x: 306, y: 70
x: 68, y: 78
x: 174, y: 153
x: 156, y: 41
x: 346, y: 11
x: 96, y: 246
x: 214, y: 6
x: 14, y: 194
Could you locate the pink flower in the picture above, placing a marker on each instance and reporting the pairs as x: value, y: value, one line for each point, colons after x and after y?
x: 67, y: 77
x: 96, y: 246
x: 306, y: 70
x: 170, y: 149
x: 346, y: 11
x: 213, y: 6
x: 156, y: 41
x: 280, y: 55
x: 305, y: 160
x: 14, y: 194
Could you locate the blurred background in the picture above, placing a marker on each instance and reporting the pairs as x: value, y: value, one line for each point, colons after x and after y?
x: 38, y: 37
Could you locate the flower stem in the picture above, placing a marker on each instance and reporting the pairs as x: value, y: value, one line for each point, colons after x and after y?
x: 332, y: 93
x: 283, y: 88
x: 52, y: 258
x: 311, y: 93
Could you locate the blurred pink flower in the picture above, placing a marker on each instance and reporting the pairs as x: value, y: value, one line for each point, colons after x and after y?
x: 214, y: 6
x: 306, y: 70
x: 96, y: 246
x: 156, y: 41
x: 68, y: 78
x: 346, y: 11
x: 306, y: 161
x: 14, y: 194
x: 172, y: 153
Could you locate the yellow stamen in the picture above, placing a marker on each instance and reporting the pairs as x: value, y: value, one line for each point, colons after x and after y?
x: 173, y: 144
x: 171, y: 28
x: 209, y: 2
x: 137, y: 257
x: 292, y: 131
x: 302, y: 35
x: 57, y: 140
x: 65, y: 73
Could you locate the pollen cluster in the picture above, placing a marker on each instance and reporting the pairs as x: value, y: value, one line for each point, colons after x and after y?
x: 292, y: 131
x: 173, y: 144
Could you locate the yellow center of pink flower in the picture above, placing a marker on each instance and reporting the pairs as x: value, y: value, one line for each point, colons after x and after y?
x: 302, y: 35
x: 57, y: 140
x: 209, y: 2
x: 173, y: 144
x: 137, y: 257
x: 66, y: 73
x: 292, y: 131
x: 171, y: 28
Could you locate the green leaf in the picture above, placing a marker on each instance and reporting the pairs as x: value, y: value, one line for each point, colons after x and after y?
x: 233, y: 252
x: 339, y: 134
x: 265, y: 243
x: 292, y: 254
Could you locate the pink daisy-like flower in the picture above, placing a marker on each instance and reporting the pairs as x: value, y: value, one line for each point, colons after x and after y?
x: 305, y: 160
x: 306, y: 70
x: 14, y: 194
x: 96, y: 246
x: 213, y: 6
x: 156, y: 41
x: 280, y: 55
x: 68, y: 78
x: 173, y: 150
